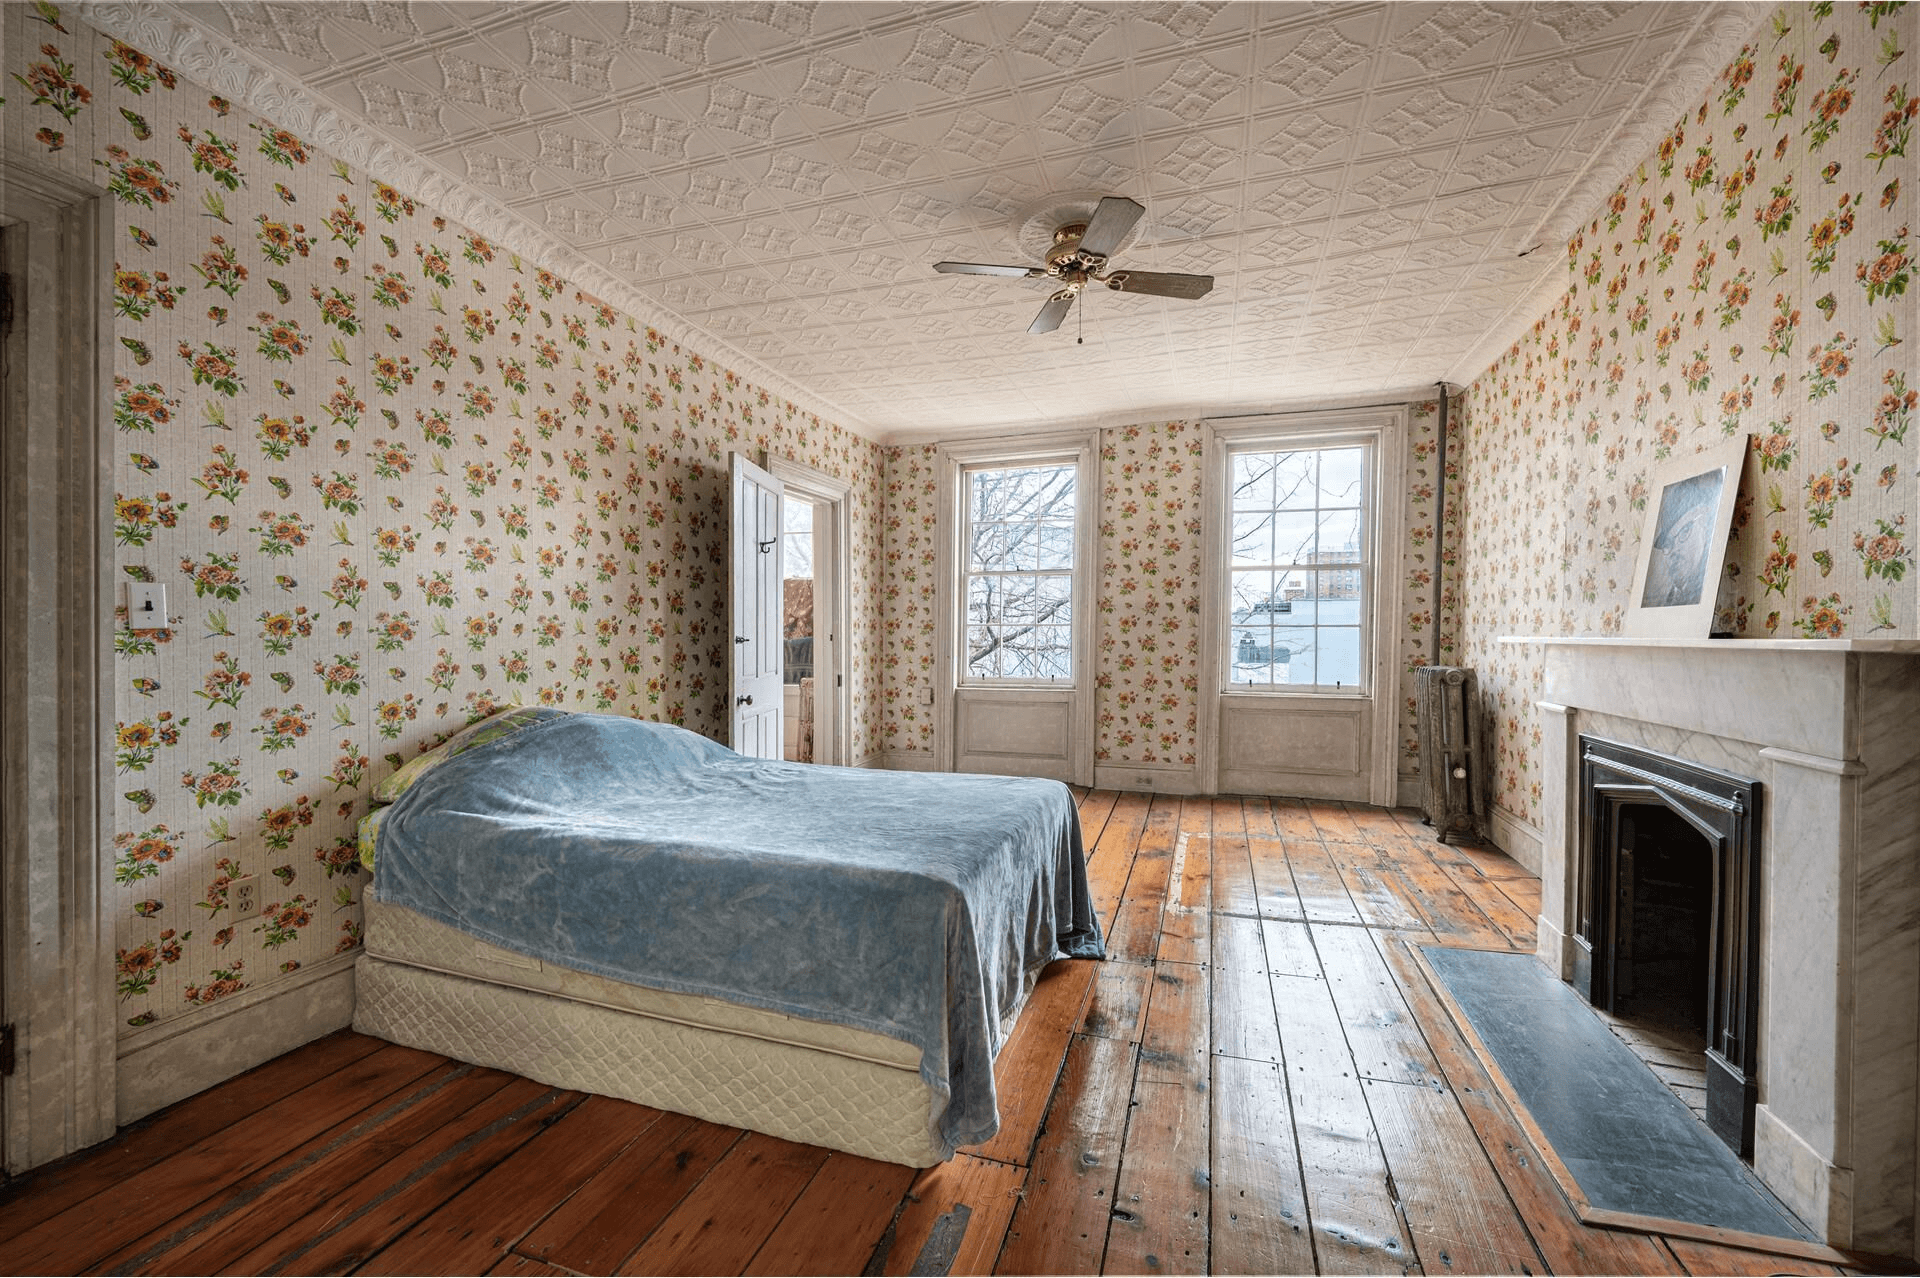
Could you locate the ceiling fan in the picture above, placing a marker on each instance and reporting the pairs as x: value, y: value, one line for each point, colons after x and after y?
x: 1079, y: 256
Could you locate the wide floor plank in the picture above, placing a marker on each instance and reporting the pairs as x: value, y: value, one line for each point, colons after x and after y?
x: 52, y: 1189
x: 1061, y: 1224
x: 955, y: 1218
x: 833, y: 1227
x: 719, y: 1227
x: 480, y: 1224
x: 608, y: 1218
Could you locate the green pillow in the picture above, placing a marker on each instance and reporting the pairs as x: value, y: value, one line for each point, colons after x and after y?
x: 491, y: 728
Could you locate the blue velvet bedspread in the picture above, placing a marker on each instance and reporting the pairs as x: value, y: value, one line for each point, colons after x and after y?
x: 909, y: 904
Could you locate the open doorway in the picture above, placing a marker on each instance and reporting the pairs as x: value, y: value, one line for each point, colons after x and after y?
x: 815, y: 533
x: 800, y: 623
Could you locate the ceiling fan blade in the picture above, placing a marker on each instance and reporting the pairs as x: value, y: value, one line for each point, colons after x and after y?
x: 1161, y: 284
x: 1110, y: 224
x: 983, y: 268
x: 1053, y: 312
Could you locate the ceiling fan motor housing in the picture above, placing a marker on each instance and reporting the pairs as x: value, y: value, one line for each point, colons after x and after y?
x: 1066, y: 262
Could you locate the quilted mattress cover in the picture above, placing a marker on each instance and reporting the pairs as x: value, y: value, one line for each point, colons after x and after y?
x: 400, y: 935
x: 426, y: 985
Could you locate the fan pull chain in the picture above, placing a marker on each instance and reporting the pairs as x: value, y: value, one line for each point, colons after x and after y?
x: 1081, y: 339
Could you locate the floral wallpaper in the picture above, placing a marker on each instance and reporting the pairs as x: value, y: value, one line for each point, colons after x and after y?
x: 909, y: 625
x: 1417, y: 620
x: 392, y: 477
x: 1752, y: 276
x: 1147, y: 677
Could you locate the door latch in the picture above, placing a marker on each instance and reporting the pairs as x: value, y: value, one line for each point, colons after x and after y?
x: 744, y: 701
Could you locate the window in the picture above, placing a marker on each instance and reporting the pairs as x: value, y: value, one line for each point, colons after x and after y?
x: 1300, y: 567
x: 1018, y: 537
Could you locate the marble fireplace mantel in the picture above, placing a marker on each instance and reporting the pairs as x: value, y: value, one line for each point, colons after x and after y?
x: 1831, y: 730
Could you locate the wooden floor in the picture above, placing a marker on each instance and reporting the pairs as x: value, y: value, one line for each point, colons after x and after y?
x: 1259, y: 1080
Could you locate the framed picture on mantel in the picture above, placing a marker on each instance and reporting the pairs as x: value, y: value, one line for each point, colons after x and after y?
x: 1683, y: 546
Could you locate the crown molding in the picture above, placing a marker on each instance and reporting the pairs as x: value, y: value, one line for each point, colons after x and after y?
x: 214, y: 62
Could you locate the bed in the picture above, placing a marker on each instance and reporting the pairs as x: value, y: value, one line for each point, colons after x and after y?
x: 829, y: 955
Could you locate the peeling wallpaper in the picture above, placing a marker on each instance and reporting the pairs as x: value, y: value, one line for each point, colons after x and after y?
x: 1751, y: 276
x: 392, y: 477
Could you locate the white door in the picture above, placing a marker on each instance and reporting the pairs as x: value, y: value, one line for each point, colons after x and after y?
x: 755, y: 612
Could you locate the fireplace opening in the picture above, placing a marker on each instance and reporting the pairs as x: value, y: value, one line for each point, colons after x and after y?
x: 1663, y: 955
x: 1667, y: 928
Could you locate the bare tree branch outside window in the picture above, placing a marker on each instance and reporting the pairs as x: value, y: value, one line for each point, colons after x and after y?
x: 1299, y: 568
x: 1019, y: 571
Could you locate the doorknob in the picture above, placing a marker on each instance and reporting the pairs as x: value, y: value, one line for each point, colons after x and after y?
x: 744, y: 701
x: 741, y: 639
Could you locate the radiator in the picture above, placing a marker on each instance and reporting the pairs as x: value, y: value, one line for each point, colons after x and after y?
x: 1453, y: 752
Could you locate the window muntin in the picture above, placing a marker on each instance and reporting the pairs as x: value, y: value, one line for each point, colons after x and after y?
x: 1018, y: 563
x: 1299, y: 567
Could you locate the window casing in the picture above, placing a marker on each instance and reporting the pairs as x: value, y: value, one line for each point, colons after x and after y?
x: 1018, y: 538
x: 1299, y: 565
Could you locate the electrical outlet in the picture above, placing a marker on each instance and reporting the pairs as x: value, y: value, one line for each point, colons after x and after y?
x: 243, y: 897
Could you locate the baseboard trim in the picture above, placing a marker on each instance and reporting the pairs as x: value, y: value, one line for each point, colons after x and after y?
x: 909, y: 761
x: 1519, y: 839
x: 1149, y: 778
x: 177, y: 1058
x: 877, y: 759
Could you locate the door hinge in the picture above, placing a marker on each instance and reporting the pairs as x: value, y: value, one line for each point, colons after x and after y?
x: 6, y: 1049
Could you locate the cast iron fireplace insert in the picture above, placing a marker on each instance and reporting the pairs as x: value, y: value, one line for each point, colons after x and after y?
x: 1669, y: 884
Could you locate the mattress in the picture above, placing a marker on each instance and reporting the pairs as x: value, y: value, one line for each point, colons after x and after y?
x: 426, y: 985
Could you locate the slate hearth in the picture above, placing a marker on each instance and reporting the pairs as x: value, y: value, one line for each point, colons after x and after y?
x: 1830, y: 731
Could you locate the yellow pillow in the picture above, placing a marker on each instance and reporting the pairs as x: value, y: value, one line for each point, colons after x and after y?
x: 491, y: 728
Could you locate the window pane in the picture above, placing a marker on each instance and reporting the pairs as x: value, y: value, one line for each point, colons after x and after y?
x: 1055, y: 546
x: 1053, y: 600
x: 1250, y: 591
x: 1252, y: 479
x: 1293, y: 652
x: 1293, y: 480
x: 1052, y: 653
x: 1253, y: 537
x: 1342, y: 476
x: 1293, y: 536
x: 1339, y: 656
x: 982, y: 652
x: 1340, y: 537
x: 1020, y: 600
x: 983, y: 600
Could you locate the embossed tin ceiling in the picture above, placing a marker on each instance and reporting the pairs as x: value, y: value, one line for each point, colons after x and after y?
x: 778, y: 178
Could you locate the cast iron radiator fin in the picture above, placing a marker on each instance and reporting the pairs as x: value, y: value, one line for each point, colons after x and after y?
x: 1453, y: 752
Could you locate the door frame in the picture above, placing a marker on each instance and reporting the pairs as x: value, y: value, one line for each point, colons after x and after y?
x: 1083, y: 446
x: 56, y: 727
x: 832, y: 603
x: 1388, y: 427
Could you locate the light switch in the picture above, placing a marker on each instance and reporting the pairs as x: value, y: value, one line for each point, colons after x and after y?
x: 926, y: 696
x: 146, y: 606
